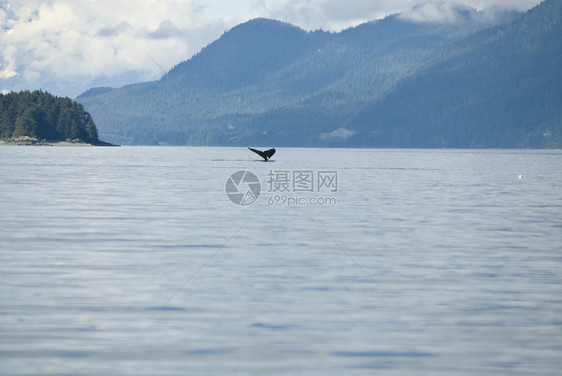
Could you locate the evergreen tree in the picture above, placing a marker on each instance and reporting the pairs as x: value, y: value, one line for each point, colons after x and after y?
x: 26, y: 124
x: 41, y: 115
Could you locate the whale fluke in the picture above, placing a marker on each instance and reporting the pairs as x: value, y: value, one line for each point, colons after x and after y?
x: 264, y: 154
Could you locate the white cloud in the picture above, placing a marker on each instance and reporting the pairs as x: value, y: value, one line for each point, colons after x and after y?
x: 332, y: 15
x: 8, y: 73
x: 335, y: 15
x: 81, y: 41
x: 448, y: 10
x: 67, y: 46
x: 437, y: 11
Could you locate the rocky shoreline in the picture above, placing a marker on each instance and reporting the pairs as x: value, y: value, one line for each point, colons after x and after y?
x: 33, y: 141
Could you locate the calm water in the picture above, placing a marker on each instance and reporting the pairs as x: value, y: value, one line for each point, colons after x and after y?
x: 133, y: 261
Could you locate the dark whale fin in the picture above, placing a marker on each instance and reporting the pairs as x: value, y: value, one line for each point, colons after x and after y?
x: 264, y: 154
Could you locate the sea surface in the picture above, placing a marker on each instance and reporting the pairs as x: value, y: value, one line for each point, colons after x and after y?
x: 134, y: 261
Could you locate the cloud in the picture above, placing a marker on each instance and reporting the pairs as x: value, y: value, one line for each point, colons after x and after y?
x: 8, y: 73
x: 114, y: 31
x: 437, y: 11
x: 166, y: 30
x: 79, y: 42
x: 68, y: 46
x: 332, y: 15
x: 335, y: 15
x: 456, y: 10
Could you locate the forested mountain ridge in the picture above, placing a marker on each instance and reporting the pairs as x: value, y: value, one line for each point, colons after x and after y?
x: 248, y: 54
x: 504, y: 89
x: 268, y: 82
x: 42, y: 115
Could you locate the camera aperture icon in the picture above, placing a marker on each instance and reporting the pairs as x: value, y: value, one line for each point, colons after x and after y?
x: 243, y: 188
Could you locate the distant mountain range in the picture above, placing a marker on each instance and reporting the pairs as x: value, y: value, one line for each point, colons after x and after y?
x: 484, y: 79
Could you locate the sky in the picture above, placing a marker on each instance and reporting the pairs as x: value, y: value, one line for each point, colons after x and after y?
x: 68, y: 46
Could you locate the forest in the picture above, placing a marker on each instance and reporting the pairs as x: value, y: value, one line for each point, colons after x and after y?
x: 484, y: 80
x: 41, y: 115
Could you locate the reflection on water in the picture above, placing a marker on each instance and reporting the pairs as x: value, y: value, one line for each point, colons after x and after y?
x: 133, y: 261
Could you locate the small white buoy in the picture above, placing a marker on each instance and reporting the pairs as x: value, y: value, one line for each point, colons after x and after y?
x: 520, y: 176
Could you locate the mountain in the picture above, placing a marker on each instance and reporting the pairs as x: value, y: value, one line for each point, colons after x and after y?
x: 392, y: 82
x: 40, y: 115
x: 501, y: 87
x: 231, y: 75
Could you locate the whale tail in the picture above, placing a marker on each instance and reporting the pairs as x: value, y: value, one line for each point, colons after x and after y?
x: 264, y: 154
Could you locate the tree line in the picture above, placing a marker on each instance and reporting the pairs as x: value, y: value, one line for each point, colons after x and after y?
x: 42, y: 115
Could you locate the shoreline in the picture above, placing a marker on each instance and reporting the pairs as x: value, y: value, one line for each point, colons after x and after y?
x: 32, y: 141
